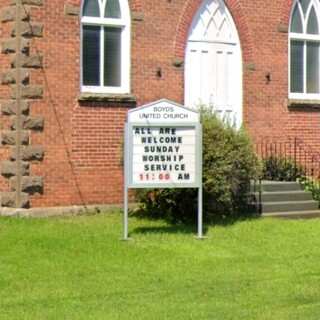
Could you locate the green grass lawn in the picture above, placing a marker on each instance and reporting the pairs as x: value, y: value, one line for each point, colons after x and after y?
x: 78, y: 268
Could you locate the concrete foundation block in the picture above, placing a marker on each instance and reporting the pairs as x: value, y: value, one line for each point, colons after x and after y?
x: 70, y: 10
x: 31, y: 122
x: 9, y: 13
x: 28, y: 30
x: 29, y: 184
x: 29, y: 2
x: 28, y: 92
x: 9, y: 199
x: 10, y: 76
x: 10, y: 46
x: 10, y: 169
x: 11, y: 137
x: 34, y: 61
x: 29, y: 153
x: 10, y: 107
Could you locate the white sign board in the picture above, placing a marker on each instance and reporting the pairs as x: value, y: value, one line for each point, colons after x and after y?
x: 164, y: 146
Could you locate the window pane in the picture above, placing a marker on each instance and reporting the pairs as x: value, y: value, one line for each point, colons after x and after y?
x: 296, y: 23
x: 112, y: 57
x: 304, y: 5
x: 91, y: 56
x: 312, y: 67
x: 313, y: 27
x: 91, y: 8
x: 296, y: 66
x: 112, y: 9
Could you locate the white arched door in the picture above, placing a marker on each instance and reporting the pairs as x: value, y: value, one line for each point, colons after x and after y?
x: 213, y: 63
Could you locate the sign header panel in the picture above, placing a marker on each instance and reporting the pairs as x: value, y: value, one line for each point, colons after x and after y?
x: 163, y: 111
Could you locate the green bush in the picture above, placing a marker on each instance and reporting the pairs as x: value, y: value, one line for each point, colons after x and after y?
x: 281, y: 169
x: 229, y: 163
x: 312, y: 185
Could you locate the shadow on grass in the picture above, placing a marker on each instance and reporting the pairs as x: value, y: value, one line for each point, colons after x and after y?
x: 231, y: 220
x: 223, y: 221
x: 170, y: 229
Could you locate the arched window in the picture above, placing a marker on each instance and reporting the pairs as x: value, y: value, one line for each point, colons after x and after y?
x: 105, y: 46
x: 304, y: 38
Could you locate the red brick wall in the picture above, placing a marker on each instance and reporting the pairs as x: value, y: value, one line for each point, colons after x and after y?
x: 82, y: 140
x: 266, y: 110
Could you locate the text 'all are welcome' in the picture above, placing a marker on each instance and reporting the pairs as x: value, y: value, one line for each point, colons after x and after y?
x: 162, y: 154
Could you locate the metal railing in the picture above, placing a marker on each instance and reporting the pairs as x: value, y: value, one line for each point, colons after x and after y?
x: 289, y: 159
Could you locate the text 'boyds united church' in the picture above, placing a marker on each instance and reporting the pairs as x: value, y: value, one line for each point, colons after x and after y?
x: 160, y: 112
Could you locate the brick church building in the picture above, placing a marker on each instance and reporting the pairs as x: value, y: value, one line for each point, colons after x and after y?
x: 71, y: 70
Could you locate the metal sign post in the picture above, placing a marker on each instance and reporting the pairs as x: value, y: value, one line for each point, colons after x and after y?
x: 125, y: 191
x: 163, y: 149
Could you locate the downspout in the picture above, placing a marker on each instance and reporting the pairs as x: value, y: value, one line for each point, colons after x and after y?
x: 18, y: 100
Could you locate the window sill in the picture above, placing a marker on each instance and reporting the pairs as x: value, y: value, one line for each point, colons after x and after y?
x: 300, y: 103
x: 126, y: 98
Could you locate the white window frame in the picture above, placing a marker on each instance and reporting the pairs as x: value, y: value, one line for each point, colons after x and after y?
x: 124, y: 23
x: 305, y: 38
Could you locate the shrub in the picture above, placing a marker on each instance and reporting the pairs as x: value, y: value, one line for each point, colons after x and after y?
x: 281, y: 169
x: 311, y: 184
x: 229, y: 163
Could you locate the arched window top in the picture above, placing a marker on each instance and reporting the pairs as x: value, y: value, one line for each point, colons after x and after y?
x: 213, y: 22
x: 313, y: 26
x: 304, y: 5
x: 105, y: 9
x: 296, y: 21
x: 304, y: 18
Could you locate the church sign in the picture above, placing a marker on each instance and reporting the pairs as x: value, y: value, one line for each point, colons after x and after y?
x: 164, y: 150
x: 163, y: 147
